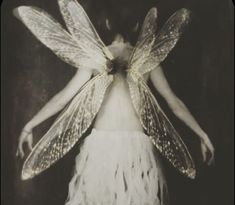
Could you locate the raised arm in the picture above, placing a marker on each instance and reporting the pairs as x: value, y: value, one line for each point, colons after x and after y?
x: 181, y: 111
x: 56, y: 104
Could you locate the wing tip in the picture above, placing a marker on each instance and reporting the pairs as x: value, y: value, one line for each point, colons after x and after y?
x: 191, y: 173
x: 153, y: 11
x: 27, y: 172
x: 18, y: 11
x: 25, y: 175
x: 186, y: 13
x: 193, y: 176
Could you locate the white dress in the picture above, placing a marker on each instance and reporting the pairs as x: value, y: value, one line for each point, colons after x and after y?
x: 117, y: 168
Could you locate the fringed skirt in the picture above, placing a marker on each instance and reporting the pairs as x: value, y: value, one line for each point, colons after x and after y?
x: 117, y: 168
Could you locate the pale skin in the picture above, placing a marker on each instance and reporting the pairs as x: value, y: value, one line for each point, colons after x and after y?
x: 117, y: 97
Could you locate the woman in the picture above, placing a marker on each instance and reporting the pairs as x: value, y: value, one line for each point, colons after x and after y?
x: 116, y: 164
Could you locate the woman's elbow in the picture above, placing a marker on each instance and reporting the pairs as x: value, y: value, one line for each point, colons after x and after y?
x: 177, y: 107
x: 60, y: 105
x: 59, y: 101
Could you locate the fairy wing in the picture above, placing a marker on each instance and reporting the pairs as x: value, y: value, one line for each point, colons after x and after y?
x: 68, y: 128
x: 149, y: 52
x: 145, y: 41
x: 82, y: 52
x: 153, y: 48
x: 76, y: 18
x: 158, y: 127
x: 148, y: 29
x: 81, y: 48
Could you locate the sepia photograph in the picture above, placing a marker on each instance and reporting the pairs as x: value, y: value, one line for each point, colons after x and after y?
x: 126, y: 102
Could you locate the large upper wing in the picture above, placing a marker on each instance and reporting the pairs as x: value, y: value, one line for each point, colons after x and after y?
x: 149, y: 27
x: 158, y: 127
x: 82, y: 52
x: 154, y: 48
x: 80, y: 26
x: 69, y: 127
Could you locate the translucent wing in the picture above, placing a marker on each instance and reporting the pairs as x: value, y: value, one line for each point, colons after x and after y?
x: 149, y: 27
x: 154, y: 48
x: 80, y: 26
x: 63, y: 44
x: 69, y: 127
x: 159, y: 128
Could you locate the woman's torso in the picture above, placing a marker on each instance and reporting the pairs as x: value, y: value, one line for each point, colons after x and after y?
x: 117, y: 111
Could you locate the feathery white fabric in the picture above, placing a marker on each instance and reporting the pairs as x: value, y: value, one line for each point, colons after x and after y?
x: 117, y: 168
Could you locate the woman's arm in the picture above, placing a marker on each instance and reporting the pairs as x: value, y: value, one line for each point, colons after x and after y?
x: 181, y: 111
x: 56, y: 104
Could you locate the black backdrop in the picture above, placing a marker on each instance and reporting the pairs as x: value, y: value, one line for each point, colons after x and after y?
x: 199, y: 69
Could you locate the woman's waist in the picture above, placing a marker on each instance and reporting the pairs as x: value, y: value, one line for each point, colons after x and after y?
x: 109, y: 121
x: 123, y: 131
x: 117, y: 134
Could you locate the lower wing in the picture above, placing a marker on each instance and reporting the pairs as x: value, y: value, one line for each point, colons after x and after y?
x: 158, y: 127
x: 68, y: 127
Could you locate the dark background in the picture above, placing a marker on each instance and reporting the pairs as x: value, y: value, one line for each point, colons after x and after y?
x: 199, y: 70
